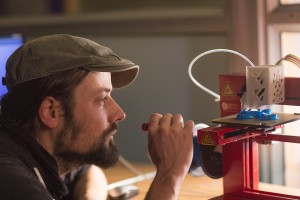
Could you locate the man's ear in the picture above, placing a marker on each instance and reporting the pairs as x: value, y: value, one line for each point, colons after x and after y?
x: 50, y: 112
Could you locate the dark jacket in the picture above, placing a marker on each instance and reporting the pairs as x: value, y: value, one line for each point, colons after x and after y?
x: 27, y: 170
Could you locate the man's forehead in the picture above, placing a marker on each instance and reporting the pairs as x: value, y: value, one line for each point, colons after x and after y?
x: 98, y: 81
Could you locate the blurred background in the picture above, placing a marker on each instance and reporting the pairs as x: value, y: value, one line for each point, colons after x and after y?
x: 163, y: 36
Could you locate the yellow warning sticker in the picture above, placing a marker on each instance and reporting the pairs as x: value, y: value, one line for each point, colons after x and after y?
x: 207, y: 139
x: 227, y: 90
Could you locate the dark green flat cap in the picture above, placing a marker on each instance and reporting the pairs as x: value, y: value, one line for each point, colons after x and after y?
x: 55, y: 53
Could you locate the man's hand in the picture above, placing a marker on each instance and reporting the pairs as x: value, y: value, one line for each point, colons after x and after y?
x: 170, y: 147
x: 92, y: 186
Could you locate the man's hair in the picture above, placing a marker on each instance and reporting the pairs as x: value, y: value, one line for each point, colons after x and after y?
x: 19, y: 107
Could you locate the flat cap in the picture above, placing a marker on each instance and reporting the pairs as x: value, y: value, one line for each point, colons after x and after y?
x: 48, y: 55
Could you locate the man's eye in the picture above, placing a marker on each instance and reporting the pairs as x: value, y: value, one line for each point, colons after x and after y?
x: 102, y: 100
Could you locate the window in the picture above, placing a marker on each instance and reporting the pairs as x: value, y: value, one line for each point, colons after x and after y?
x: 288, y: 46
x: 283, y: 32
x: 287, y: 2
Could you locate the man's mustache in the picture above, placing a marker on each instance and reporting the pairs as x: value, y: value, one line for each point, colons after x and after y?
x: 112, y: 128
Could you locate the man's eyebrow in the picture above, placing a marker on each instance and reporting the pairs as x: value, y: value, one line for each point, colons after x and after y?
x: 104, y: 89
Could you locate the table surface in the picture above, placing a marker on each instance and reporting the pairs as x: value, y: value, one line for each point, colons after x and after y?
x: 192, y: 188
x: 200, y: 188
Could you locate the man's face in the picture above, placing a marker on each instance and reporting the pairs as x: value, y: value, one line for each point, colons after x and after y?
x: 88, y: 136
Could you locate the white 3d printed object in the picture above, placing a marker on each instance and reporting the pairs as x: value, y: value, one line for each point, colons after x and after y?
x: 264, y: 85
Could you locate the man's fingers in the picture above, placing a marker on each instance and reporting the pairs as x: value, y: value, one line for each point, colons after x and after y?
x: 189, y: 126
x: 153, y: 122
x: 162, y: 123
x: 166, y: 119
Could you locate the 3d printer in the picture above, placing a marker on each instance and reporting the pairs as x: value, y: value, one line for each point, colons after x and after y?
x: 243, y: 126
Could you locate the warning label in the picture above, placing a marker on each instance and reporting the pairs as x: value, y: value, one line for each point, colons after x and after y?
x: 207, y: 139
x: 227, y: 90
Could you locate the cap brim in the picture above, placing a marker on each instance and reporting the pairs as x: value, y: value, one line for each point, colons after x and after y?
x: 124, y: 78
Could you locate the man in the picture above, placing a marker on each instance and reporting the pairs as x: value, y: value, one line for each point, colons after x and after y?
x: 58, y: 115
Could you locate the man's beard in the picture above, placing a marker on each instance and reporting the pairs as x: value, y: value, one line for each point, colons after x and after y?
x: 102, y: 153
